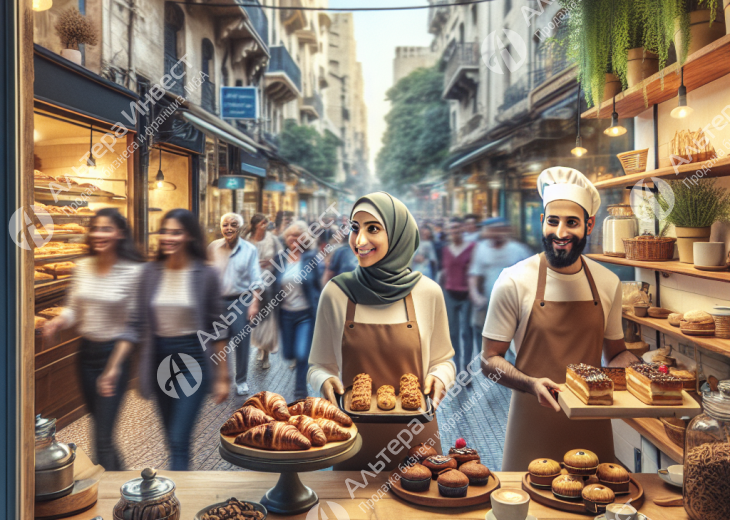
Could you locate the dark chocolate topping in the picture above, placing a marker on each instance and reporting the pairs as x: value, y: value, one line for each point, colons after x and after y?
x: 439, y: 459
x: 651, y: 371
x: 590, y: 373
x: 462, y: 451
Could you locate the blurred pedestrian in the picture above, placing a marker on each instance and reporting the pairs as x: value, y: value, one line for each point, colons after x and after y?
x: 282, y: 221
x: 299, y: 305
x: 179, y: 298
x: 237, y: 262
x: 471, y: 229
x: 456, y: 257
x: 341, y: 260
x: 265, y: 336
x: 424, y: 260
x: 99, y: 303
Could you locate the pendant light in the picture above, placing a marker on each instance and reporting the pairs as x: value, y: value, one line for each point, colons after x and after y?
x: 682, y: 109
x: 160, y: 183
x: 578, y: 151
x: 160, y: 179
x: 42, y: 5
x: 91, y: 160
x: 615, y: 129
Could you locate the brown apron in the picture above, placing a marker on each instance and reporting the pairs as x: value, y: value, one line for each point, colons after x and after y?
x: 557, y: 334
x: 385, y: 352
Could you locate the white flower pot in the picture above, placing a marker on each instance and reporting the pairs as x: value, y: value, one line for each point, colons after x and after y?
x: 72, y: 55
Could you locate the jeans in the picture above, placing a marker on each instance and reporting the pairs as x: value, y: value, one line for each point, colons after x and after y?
x: 297, y: 329
x: 460, y: 329
x: 243, y: 349
x: 93, y: 357
x: 179, y: 413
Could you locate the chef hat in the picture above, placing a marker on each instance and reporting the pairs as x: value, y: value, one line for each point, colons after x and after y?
x: 560, y: 183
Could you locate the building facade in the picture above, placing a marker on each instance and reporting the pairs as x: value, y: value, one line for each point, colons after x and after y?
x: 408, y: 59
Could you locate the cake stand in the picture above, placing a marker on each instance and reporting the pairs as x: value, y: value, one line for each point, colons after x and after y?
x: 289, y: 496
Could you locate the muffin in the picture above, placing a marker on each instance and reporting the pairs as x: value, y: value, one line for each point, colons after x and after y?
x: 543, y: 472
x: 581, y: 462
x: 415, y: 478
x: 477, y: 472
x: 596, y: 497
x: 439, y: 463
x: 614, y: 477
x: 567, y: 486
x: 453, y: 483
x: 462, y: 455
x: 421, y: 452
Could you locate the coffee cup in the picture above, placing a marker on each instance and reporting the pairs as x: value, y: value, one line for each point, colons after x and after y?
x: 510, y: 504
x: 676, y: 473
x: 621, y: 512
x: 709, y: 254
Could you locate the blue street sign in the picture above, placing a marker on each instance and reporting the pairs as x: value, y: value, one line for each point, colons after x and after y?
x: 231, y: 182
x: 239, y: 102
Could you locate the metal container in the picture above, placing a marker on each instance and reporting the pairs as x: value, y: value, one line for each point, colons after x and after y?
x: 150, y: 497
x: 54, y: 462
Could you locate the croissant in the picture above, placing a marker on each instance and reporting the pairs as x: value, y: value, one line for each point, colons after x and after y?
x: 277, y: 436
x: 332, y: 430
x: 244, y: 419
x: 317, y: 407
x: 271, y: 404
x: 310, y: 429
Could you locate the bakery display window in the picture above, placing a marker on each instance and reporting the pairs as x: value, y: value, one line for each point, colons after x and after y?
x: 168, y: 174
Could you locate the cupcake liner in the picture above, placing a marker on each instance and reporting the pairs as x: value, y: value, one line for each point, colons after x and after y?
x: 478, y: 481
x: 415, y: 485
x: 453, y: 492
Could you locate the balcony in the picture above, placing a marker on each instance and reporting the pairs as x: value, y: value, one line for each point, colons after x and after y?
x: 313, y: 106
x: 438, y: 14
x: 517, y: 92
x: 550, y: 60
x: 462, y: 70
x: 178, y: 87
x: 249, y: 32
x: 207, y: 97
x: 283, y: 78
x: 257, y: 18
x: 308, y: 37
x: 292, y: 17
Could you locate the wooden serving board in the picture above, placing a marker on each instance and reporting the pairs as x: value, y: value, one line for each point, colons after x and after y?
x: 475, y: 495
x: 625, y: 406
x: 545, y: 497
x: 83, y: 496
x: 328, y: 450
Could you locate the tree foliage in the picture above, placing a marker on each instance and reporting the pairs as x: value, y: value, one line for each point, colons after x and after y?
x: 304, y: 146
x: 417, y: 138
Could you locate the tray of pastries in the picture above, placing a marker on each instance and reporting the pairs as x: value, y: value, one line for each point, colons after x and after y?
x: 457, y: 479
x: 58, y: 250
x: 267, y: 427
x: 641, y: 390
x: 580, y: 483
x: 54, y: 270
x: 364, y: 403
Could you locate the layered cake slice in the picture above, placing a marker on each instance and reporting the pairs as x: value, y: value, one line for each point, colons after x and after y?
x: 617, y: 375
x: 590, y: 384
x: 652, y: 386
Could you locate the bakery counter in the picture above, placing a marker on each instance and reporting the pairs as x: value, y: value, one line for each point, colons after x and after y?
x: 198, y: 489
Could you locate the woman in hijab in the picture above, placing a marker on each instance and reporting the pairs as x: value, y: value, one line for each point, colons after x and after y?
x: 382, y: 319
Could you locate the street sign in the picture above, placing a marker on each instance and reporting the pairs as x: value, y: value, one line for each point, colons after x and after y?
x: 231, y: 182
x: 239, y: 102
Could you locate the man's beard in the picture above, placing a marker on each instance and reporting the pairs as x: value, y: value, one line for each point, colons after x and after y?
x: 563, y: 257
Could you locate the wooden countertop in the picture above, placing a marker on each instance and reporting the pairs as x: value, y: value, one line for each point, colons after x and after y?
x: 198, y: 489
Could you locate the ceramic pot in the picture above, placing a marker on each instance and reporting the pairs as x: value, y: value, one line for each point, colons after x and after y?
x: 613, y: 87
x: 686, y: 237
x: 641, y: 65
x: 72, y: 55
x: 709, y: 254
x: 700, y: 31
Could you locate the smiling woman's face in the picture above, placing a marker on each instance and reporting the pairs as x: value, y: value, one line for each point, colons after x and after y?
x: 368, y: 239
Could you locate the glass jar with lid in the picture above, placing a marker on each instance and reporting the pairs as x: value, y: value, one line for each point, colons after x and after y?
x: 149, y: 497
x: 707, y: 458
x: 619, y: 224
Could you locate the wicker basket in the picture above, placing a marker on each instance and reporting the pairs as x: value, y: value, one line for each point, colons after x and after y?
x: 675, y: 429
x: 650, y: 250
x: 722, y: 326
x: 633, y: 161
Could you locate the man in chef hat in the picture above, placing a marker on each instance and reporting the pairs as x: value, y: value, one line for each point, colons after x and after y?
x: 559, y: 308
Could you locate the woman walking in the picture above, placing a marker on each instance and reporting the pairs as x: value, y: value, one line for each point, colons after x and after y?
x: 179, y: 297
x: 100, y: 301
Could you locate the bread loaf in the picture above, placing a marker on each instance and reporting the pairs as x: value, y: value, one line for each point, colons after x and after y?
x: 362, y: 392
x: 386, y: 397
x: 410, y: 392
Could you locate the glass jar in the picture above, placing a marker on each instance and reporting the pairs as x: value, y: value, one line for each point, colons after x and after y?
x: 707, y: 458
x: 619, y: 224
x: 149, y: 498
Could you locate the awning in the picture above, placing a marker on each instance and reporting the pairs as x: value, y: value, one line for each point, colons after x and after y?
x: 208, y: 128
x: 477, y: 154
x: 255, y: 164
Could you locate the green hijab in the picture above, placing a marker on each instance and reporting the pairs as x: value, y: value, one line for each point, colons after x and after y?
x: 390, y: 279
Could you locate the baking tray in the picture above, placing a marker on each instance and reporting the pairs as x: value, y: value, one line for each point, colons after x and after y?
x: 376, y: 415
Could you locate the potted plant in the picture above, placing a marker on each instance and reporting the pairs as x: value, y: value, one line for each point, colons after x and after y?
x: 642, y: 62
x: 74, y: 29
x: 696, y: 208
x: 695, y: 24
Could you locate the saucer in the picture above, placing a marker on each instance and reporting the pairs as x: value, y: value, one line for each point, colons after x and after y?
x: 666, y: 478
x: 711, y: 267
x: 640, y: 516
x: 490, y: 516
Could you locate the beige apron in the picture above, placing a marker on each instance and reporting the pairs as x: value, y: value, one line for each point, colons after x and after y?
x: 557, y: 334
x: 385, y: 352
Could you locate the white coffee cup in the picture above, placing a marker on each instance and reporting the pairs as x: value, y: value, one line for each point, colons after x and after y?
x: 621, y: 512
x: 676, y: 473
x: 510, y: 504
x: 709, y: 254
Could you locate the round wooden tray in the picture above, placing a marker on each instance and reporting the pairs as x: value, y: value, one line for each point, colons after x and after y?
x: 329, y: 449
x: 475, y: 495
x: 545, y: 497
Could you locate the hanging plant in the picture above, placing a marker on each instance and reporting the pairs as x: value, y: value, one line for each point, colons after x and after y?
x: 74, y: 29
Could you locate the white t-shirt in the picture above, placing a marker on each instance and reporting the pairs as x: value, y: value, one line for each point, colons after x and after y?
x: 515, y: 290
x: 174, y: 305
x: 294, y: 300
x: 488, y: 261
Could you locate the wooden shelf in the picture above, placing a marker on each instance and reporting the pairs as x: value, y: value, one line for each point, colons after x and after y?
x: 718, y: 345
x: 704, y: 66
x: 653, y: 430
x: 672, y: 266
x: 718, y: 168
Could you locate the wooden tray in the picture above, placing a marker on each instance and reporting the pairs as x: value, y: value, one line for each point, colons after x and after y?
x: 397, y: 415
x: 545, y: 497
x: 625, y: 406
x: 328, y: 450
x: 83, y: 496
x: 475, y: 495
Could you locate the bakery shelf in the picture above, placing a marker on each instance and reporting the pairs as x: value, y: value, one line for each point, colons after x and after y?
x: 653, y: 430
x: 56, y: 259
x: 57, y: 237
x: 719, y: 345
x: 673, y: 266
x: 718, y: 168
x: 704, y: 66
